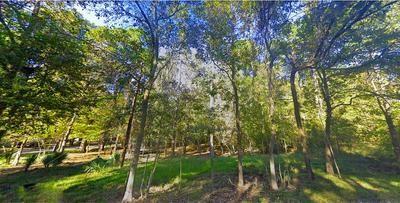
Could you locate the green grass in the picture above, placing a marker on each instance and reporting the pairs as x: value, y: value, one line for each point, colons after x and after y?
x: 363, y: 179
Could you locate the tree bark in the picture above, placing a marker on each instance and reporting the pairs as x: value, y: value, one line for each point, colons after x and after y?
x: 301, y: 131
x: 101, y: 145
x: 128, y: 196
x: 184, y: 145
x: 394, y: 134
x: 273, y: 179
x: 83, y: 145
x: 153, y: 170
x: 329, y: 156
x: 19, y: 153
x: 115, y: 148
x: 173, y: 143
x: 212, y: 155
x: 198, y: 146
x: 238, y: 132
x: 56, y: 146
x: 144, y: 175
x: 67, y: 133
x: 129, y: 127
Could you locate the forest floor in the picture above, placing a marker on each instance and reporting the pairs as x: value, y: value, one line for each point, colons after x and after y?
x: 363, y: 179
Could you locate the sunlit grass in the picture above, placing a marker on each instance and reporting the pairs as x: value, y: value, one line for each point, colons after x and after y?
x: 72, y: 184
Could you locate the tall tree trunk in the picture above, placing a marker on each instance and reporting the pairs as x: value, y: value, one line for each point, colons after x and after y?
x: 211, y: 139
x: 175, y: 134
x: 129, y: 127
x: 153, y: 170
x: 129, y: 190
x: 301, y: 131
x: 212, y: 155
x: 329, y: 156
x: 394, y: 134
x: 238, y: 132
x: 67, y: 133
x: 128, y: 196
x: 56, y: 146
x: 19, y: 153
x: 144, y: 175
x: 273, y: 179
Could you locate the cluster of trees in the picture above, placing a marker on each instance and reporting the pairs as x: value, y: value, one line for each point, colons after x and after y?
x: 235, y: 76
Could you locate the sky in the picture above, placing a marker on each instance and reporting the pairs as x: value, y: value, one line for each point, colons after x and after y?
x: 90, y: 16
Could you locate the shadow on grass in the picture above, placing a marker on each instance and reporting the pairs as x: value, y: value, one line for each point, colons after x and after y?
x: 13, y: 187
x: 364, y: 178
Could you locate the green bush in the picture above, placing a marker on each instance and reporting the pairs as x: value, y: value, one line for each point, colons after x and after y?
x: 54, y: 159
x: 97, y: 165
x: 8, y: 156
x: 30, y: 160
x: 114, y: 159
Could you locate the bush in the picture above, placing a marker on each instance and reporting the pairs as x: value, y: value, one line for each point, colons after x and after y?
x: 8, y: 156
x: 97, y: 165
x: 30, y: 160
x: 54, y: 159
x: 114, y: 159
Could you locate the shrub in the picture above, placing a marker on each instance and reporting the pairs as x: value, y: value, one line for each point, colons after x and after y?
x: 97, y: 165
x: 54, y: 159
x: 8, y: 156
x: 114, y: 159
x: 30, y: 160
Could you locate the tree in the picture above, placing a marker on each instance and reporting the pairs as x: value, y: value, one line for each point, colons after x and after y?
x: 156, y: 19
x: 230, y: 55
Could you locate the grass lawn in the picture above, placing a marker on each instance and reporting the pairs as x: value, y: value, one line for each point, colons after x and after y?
x: 364, y: 179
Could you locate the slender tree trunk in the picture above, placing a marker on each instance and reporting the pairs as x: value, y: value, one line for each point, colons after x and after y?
x: 329, y: 156
x: 165, y: 148
x: 144, y: 175
x: 56, y: 146
x: 184, y: 145
x: 153, y: 170
x: 173, y: 143
x: 394, y: 134
x: 198, y: 146
x: 128, y: 196
x: 67, y: 133
x: 101, y: 145
x: 273, y: 179
x: 180, y: 170
x: 19, y: 153
x: 116, y: 145
x: 129, y: 190
x: 238, y: 132
x: 40, y: 148
x: 83, y: 145
x: 301, y: 131
x: 129, y: 128
x: 212, y: 155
